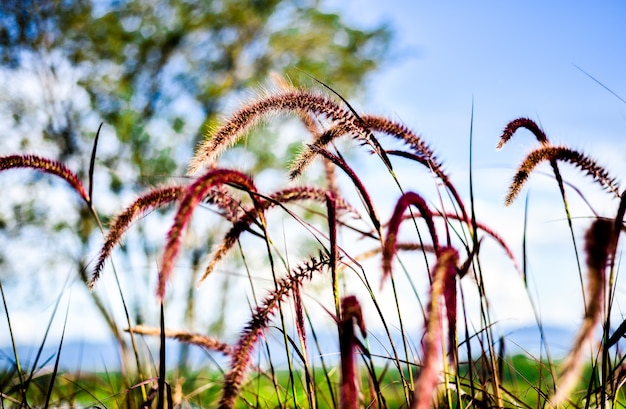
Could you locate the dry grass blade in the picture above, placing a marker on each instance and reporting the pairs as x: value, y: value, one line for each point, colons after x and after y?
x: 389, y: 246
x: 351, y: 315
x: 186, y: 337
x: 47, y: 166
x: 443, y: 276
x: 154, y: 199
x: 559, y: 153
x: 240, y: 357
x: 599, y: 244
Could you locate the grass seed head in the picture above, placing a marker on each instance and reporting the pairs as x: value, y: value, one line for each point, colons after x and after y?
x: 121, y: 222
x: 240, y: 358
x: 192, y: 196
x: 559, y: 153
x: 389, y: 245
x: 46, y: 166
x: 525, y: 123
x: 599, y: 245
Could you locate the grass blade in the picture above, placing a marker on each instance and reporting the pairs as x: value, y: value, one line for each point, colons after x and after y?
x: 58, y: 358
x: 13, y: 344
x: 92, y: 163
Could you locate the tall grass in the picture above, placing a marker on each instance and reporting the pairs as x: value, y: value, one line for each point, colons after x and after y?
x: 453, y: 361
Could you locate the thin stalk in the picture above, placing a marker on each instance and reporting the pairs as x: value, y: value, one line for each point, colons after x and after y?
x: 162, y: 363
x: 405, y: 337
x: 396, y: 357
x: 542, y: 336
x: 45, y: 337
x: 18, y: 366
x: 268, y: 244
x: 256, y: 302
x: 559, y: 179
x: 58, y: 358
x: 144, y: 393
x: 309, y: 381
x: 332, y: 235
x: 484, y: 309
x: 93, y: 211
x: 325, y: 369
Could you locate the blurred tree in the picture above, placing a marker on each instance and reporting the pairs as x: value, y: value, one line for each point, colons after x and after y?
x: 157, y: 72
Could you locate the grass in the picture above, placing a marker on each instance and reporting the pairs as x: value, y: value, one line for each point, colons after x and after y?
x: 455, y: 360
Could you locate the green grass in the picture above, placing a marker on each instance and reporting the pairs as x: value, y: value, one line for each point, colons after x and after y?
x: 523, y: 377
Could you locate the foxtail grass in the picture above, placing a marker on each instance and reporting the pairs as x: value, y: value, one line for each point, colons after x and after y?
x: 186, y: 337
x: 154, y: 199
x: 599, y: 242
x: 351, y: 316
x: 439, y: 377
x: 192, y: 197
x: 292, y: 101
x: 565, y: 154
x: 259, y: 323
x: 389, y: 247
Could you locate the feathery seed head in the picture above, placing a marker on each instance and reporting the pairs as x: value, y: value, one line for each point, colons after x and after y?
x: 559, y: 153
x: 389, y: 246
x: 47, y: 166
x: 240, y: 358
x: 153, y: 199
x: 518, y: 123
x: 185, y: 337
x: 297, y: 101
x: 192, y: 196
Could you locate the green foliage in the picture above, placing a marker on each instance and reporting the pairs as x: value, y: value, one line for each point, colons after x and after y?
x: 139, y: 61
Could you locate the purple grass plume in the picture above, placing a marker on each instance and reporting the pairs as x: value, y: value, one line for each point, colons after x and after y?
x: 121, y: 222
x: 560, y: 153
x: 263, y: 313
x: 351, y: 316
x: 192, y: 197
x: 525, y: 123
x: 294, y: 101
x: 47, y: 166
x: 599, y: 245
x: 442, y: 286
x: 389, y: 246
